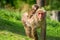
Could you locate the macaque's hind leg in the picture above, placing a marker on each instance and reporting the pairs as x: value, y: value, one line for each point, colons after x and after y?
x: 28, y: 31
x: 34, y: 34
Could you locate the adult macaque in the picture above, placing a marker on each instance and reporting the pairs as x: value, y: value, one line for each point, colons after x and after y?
x: 32, y: 20
x: 26, y: 19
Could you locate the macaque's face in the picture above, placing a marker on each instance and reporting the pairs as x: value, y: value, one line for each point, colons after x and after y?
x: 40, y: 14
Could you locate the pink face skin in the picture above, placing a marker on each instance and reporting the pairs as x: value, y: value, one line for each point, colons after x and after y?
x: 40, y: 15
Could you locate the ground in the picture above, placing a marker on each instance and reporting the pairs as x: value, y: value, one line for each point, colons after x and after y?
x: 12, y: 29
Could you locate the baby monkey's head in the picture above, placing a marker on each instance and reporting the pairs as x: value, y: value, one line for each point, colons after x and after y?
x: 35, y: 7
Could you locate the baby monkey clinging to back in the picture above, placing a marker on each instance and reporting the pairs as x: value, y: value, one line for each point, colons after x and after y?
x: 33, y: 10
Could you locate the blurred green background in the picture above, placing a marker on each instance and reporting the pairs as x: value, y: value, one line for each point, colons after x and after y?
x: 11, y: 27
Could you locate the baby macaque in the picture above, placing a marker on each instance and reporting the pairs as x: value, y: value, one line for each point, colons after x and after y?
x: 32, y: 20
x: 33, y: 10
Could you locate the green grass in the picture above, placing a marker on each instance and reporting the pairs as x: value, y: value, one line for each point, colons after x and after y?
x: 12, y: 30
x: 11, y: 27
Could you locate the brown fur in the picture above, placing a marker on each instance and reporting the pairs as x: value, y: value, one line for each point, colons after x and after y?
x: 31, y: 24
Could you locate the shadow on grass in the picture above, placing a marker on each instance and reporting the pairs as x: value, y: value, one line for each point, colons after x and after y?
x: 12, y: 26
x: 48, y: 37
x: 52, y: 38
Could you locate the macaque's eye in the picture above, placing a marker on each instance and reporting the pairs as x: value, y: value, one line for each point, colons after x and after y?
x: 42, y: 14
x: 39, y: 13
